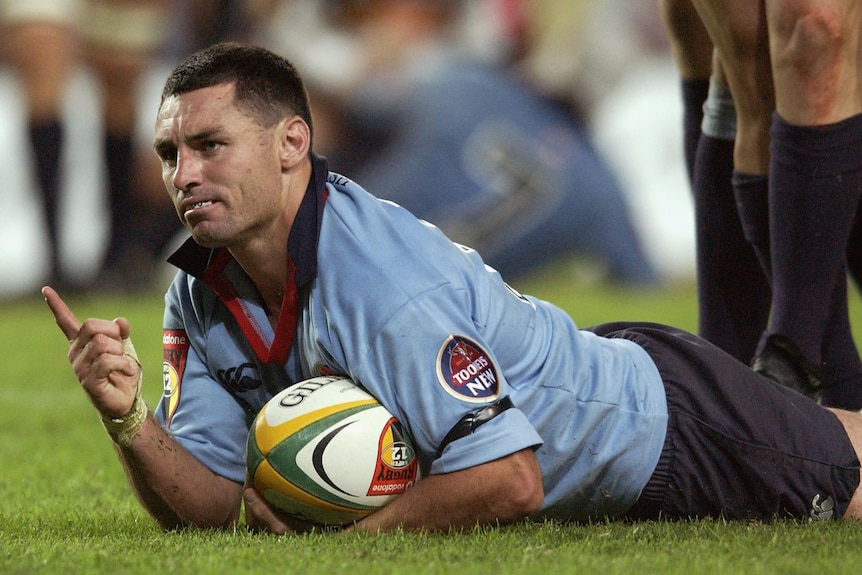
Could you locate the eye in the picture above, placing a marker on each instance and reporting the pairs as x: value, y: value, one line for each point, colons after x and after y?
x: 210, y: 145
x: 167, y: 154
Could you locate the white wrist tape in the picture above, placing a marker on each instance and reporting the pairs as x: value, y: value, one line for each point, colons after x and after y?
x: 123, y: 429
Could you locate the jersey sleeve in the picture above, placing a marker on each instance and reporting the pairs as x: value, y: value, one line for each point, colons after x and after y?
x: 195, y: 409
x: 508, y: 432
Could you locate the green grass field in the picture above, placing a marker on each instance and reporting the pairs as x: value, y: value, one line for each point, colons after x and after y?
x: 65, y: 506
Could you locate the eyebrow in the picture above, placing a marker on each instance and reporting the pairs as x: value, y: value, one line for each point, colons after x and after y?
x: 163, y: 145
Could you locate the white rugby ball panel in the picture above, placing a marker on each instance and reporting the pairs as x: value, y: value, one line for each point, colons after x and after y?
x: 326, y: 451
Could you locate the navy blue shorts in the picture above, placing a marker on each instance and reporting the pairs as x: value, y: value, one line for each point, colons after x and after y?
x: 738, y: 445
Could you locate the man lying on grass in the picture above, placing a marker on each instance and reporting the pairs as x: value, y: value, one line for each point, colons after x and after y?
x: 295, y: 271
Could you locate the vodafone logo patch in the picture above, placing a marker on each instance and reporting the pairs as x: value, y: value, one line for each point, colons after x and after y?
x: 465, y: 370
x: 175, y: 349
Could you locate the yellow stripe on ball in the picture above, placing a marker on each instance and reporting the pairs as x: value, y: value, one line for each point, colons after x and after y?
x: 268, y: 436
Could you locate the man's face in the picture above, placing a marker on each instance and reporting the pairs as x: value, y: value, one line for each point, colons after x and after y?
x: 221, y: 168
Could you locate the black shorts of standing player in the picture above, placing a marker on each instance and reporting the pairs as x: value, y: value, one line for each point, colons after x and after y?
x: 738, y: 445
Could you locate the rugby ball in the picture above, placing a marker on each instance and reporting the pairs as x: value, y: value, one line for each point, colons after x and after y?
x: 327, y: 452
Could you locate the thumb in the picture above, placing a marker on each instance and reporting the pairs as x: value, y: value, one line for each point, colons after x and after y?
x: 125, y: 327
x: 128, y: 347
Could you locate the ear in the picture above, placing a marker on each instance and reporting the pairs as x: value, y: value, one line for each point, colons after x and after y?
x: 294, y: 141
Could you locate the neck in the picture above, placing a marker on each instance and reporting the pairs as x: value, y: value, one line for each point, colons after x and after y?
x: 266, y: 265
x: 265, y: 259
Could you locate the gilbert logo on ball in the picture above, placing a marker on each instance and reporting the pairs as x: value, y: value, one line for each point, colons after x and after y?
x: 326, y: 451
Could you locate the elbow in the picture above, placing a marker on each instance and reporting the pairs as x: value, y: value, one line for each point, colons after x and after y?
x: 527, y: 492
x: 532, y: 493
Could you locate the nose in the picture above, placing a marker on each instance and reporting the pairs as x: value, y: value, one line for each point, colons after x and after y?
x: 187, y: 172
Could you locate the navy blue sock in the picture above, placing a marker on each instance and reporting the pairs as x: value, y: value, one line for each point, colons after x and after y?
x: 119, y: 158
x: 694, y: 94
x: 752, y: 203
x: 46, y: 138
x: 733, y: 292
x: 816, y: 174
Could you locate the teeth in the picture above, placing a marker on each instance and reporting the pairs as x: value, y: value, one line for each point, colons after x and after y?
x: 195, y: 206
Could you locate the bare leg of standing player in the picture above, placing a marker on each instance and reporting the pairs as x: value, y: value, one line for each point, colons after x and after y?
x: 797, y: 176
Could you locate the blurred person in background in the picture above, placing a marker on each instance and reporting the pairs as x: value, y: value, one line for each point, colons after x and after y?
x: 44, y: 42
x: 459, y: 136
x: 608, y: 62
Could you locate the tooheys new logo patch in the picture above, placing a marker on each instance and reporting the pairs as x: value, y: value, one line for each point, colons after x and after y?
x: 465, y: 370
x: 175, y: 349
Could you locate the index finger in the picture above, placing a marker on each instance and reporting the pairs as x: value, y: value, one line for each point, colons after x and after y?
x: 64, y: 317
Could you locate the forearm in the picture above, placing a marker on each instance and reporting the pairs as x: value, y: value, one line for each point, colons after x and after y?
x: 499, y: 492
x: 173, y: 486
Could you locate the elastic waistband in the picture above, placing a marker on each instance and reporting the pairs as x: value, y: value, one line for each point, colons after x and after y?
x: 649, y: 504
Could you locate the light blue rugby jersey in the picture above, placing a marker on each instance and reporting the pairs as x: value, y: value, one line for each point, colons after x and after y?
x: 431, y: 332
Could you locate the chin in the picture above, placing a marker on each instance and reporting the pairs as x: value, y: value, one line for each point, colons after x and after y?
x: 207, y: 240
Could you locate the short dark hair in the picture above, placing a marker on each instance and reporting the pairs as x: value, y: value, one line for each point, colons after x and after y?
x: 267, y: 85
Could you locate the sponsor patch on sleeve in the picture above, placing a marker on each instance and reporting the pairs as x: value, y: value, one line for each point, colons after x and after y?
x: 175, y: 349
x: 466, y: 372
